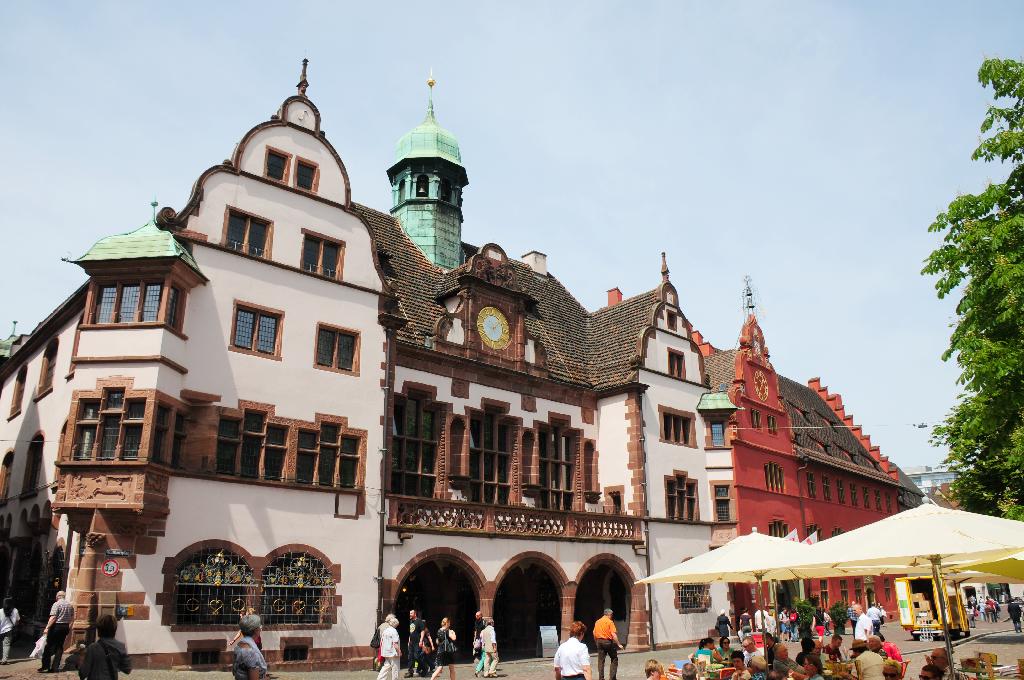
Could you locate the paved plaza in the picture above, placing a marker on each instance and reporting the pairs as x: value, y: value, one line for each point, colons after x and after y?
x: 998, y: 638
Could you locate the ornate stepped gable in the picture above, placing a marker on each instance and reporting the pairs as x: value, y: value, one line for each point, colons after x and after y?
x: 593, y: 350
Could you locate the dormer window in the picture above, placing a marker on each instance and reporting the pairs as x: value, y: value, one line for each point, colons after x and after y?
x: 670, y: 321
x: 277, y: 165
x: 422, y: 186
x: 306, y: 175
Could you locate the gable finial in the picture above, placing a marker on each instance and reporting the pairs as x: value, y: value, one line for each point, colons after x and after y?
x: 748, y: 297
x: 153, y: 204
x: 14, y: 327
x: 430, y: 93
x: 303, y: 83
x: 664, y: 267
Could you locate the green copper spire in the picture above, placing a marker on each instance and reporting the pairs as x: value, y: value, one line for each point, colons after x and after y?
x: 427, y: 180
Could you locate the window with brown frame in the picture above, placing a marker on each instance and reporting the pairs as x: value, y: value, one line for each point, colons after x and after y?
x: 853, y: 495
x: 844, y: 588
x: 826, y: 487
x: 723, y: 503
x: 878, y: 500
x: 19, y: 391
x: 179, y: 440
x: 247, y: 234
x: 277, y: 164
x: 256, y: 330
x: 773, y: 425
x: 887, y: 585
x: 811, y: 529
x: 670, y: 321
x: 865, y: 495
x: 778, y: 528
x: 128, y: 302
x: 616, y: 498
x: 823, y: 593
x: 692, y: 598
x: 33, y: 464
x: 681, y: 498
x: 161, y: 427
x: 812, y: 489
x: 336, y: 348
x: 675, y: 428
x: 717, y: 433
x: 322, y: 256
x: 835, y: 532
x: 113, y: 421
x: 557, y: 457
x: 676, y: 364
x: 774, y: 477
x: 755, y: 419
x: 858, y: 592
x: 490, y: 459
x: 307, y: 175
x: 49, y: 367
x: 5, y: 475
x: 841, y: 491
x: 413, y: 448
x: 888, y: 503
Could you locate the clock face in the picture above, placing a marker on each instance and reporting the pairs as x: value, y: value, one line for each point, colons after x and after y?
x: 492, y: 326
x: 761, y: 386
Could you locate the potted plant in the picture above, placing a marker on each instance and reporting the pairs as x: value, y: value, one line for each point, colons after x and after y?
x: 838, y: 614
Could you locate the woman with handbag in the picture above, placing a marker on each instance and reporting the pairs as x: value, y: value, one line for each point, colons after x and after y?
x: 445, y: 650
x: 105, y: 657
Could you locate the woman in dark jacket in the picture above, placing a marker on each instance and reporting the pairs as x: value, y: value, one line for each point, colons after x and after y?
x: 722, y: 624
x: 105, y: 657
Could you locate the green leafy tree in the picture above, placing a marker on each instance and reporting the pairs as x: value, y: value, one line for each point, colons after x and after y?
x: 805, y: 617
x: 981, y: 260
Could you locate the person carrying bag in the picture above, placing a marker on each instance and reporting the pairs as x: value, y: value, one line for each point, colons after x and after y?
x: 105, y: 657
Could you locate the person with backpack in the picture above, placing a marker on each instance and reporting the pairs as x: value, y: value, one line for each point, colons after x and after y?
x: 9, y: 618
x: 105, y: 657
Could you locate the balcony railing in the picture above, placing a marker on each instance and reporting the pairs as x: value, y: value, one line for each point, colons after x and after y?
x: 427, y: 514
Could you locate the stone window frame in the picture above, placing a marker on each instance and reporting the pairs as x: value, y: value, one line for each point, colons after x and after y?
x: 428, y: 401
x: 774, y: 477
x: 356, y: 349
x: 731, y: 486
x: 18, y: 395
x: 315, y: 185
x: 287, y: 164
x: 689, y: 432
x: 564, y: 423
x: 501, y: 417
x: 609, y: 502
x: 811, y: 484
x: 826, y: 488
x: 48, y: 369
x: 778, y: 528
x: 680, y: 361
x: 688, y: 482
x: 177, y: 277
x: 165, y: 598
x: 339, y: 266
x: 6, y: 470
x: 268, y: 246
x: 259, y: 310
x: 700, y: 590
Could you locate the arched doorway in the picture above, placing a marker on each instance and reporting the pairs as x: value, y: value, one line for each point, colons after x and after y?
x: 436, y: 589
x: 527, y: 598
x: 600, y: 588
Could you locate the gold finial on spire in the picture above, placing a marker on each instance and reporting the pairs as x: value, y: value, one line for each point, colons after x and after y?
x: 430, y: 79
x: 664, y: 267
x: 303, y: 83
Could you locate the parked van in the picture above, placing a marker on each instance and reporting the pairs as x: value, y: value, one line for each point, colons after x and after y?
x: 918, y: 601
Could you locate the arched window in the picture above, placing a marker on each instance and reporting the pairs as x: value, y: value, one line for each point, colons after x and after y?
x: 33, y: 464
x: 212, y: 588
x: 5, y: 475
x: 446, y: 191
x: 401, y: 190
x: 19, y: 391
x: 49, y: 366
x: 297, y: 588
x: 422, y: 190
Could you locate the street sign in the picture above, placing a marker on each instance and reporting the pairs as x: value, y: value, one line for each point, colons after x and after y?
x: 110, y: 568
x: 548, y: 642
x: 118, y: 552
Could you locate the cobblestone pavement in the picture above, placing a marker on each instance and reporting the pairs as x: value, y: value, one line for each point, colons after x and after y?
x: 998, y: 638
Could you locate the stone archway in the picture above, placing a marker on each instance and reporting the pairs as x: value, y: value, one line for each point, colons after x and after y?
x: 528, y: 594
x: 605, y: 583
x: 439, y: 585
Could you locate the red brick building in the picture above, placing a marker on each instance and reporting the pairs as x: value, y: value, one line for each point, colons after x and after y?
x: 801, y: 463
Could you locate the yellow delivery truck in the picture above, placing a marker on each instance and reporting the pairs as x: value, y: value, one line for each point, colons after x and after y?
x: 918, y: 601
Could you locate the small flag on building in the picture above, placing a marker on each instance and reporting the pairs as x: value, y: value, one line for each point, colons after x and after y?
x: 812, y: 539
x: 793, y: 536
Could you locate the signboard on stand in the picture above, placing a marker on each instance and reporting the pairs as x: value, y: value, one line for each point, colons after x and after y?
x: 547, y: 645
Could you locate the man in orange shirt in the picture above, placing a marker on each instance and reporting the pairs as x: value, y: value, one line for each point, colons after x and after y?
x: 607, y: 639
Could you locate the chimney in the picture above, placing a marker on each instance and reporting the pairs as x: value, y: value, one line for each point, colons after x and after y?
x: 537, y: 261
x: 614, y: 296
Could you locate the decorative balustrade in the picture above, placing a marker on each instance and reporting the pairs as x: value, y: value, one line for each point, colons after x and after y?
x: 427, y: 514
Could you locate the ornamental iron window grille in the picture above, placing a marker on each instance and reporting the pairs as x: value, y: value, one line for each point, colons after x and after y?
x: 693, y: 597
x: 297, y: 589
x: 214, y: 587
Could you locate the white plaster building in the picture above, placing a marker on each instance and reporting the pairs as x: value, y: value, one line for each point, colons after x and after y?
x: 278, y: 399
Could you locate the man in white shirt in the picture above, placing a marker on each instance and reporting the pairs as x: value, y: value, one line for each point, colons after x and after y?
x: 864, y: 628
x: 875, y: 614
x: 390, y: 647
x: 749, y: 650
x: 572, y: 660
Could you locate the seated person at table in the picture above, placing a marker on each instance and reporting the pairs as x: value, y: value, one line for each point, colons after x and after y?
x: 723, y: 652
x: 891, y: 650
x: 939, y: 659
x: 749, y: 649
x: 738, y: 662
x: 806, y: 647
x: 654, y: 670
x: 785, y: 665
x: 868, y: 664
x: 688, y: 672
x: 705, y: 650
x: 813, y: 667
x: 835, y: 649
x: 769, y: 648
x: 757, y: 667
x: 892, y: 670
x: 775, y: 675
x: 930, y: 672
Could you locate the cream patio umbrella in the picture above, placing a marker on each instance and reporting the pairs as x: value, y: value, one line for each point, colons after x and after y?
x: 1011, y: 568
x: 926, y: 535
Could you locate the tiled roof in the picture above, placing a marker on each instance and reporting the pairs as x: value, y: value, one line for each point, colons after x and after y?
x: 148, y: 241
x: 819, y: 434
x: 594, y: 350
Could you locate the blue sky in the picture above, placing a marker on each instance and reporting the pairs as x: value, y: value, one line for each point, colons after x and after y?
x: 808, y: 145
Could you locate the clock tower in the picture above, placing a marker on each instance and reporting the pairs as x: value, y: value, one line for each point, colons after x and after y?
x: 427, y: 180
